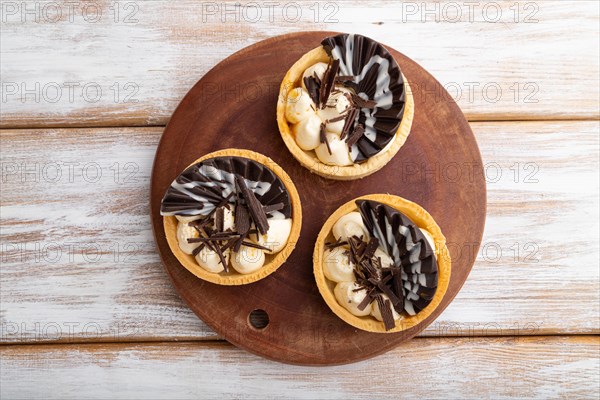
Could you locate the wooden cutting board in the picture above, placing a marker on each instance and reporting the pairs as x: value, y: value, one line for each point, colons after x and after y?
x: 233, y: 105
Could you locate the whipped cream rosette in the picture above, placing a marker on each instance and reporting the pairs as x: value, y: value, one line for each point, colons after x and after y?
x: 232, y: 217
x: 381, y: 263
x: 345, y: 108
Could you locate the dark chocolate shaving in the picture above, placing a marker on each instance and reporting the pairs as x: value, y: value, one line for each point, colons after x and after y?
x: 316, y: 77
x: 312, y: 87
x: 230, y: 243
x: 255, y: 245
x: 256, y: 209
x: 383, y: 286
x: 344, y: 78
x: 273, y: 207
x: 386, y: 313
x: 359, y: 102
x: 356, y: 248
x: 206, y: 239
x: 328, y: 82
x: 338, y: 118
x: 224, y: 234
x: 253, y: 232
x: 356, y: 134
x: 366, y: 301
x: 347, y: 81
x: 220, y: 219
x: 222, y: 258
x: 238, y: 244
x: 242, y: 219
x: 210, y: 245
x: 323, y: 137
x: 335, y: 244
x: 371, y: 247
x: 350, y: 117
x: 199, y: 223
x: 197, y: 250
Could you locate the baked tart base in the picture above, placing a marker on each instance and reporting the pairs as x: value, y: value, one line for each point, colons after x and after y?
x: 309, y: 159
x: 423, y: 220
x: 273, y: 261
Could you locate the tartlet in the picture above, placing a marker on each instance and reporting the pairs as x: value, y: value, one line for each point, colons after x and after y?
x: 232, y: 217
x: 345, y: 121
x: 403, y: 274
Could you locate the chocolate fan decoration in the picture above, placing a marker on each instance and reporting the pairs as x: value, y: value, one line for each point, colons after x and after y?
x: 369, y: 69
x: 209, y: 184
x: 415, y: 263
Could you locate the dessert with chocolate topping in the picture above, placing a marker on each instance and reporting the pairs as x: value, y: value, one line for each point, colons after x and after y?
x: 381, y: 263
x: 232, y: 217
x: 345, y: 108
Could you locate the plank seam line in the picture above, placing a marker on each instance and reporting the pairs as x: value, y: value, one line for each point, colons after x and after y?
x: 66, y: 127
x: 213, y: 341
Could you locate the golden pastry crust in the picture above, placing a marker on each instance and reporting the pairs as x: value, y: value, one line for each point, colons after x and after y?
x: 423, y: 220
x: 309, y: 159
x: 273, y: 261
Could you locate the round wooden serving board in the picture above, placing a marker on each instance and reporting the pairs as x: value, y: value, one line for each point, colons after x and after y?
x: 233, y: 105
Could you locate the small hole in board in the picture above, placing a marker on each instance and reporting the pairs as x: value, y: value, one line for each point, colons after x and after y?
x: 258, y: 319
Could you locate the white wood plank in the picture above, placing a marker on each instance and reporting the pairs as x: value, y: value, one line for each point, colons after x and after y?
x: 468, y: 368
x: 539, y: 60
x: 107, y: 283
x: 540, y: 249
x: 79, y: 256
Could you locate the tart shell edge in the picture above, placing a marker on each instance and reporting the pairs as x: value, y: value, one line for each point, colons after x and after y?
x: 422, y: 219
x: 310, y: 161
x: 188, y: 261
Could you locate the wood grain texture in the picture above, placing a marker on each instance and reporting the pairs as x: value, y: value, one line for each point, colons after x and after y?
x: 550, y: 288
x: 146, y: 58
x: 466, y: 368
x: 302, y: 329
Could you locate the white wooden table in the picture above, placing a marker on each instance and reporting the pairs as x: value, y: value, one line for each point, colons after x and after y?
x: 86, y: 310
